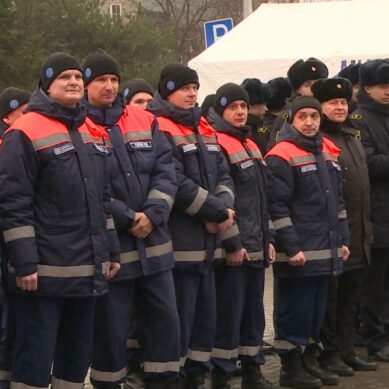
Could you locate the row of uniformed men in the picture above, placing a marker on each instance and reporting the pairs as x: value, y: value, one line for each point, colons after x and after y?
x: 143, y: 184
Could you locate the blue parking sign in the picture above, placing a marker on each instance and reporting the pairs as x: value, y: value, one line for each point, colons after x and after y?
x: 215, y: 29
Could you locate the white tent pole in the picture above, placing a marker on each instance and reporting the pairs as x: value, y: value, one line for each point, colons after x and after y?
x: 247, y: 8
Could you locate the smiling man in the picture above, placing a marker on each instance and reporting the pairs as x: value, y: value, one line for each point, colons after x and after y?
x: 60, y: 238
x: 371, y: 120
x: 307, y: 210
x: 203, y: 209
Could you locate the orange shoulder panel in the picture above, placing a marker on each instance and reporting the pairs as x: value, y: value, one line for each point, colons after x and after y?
x: 330, y: 147
x: 286, y: 150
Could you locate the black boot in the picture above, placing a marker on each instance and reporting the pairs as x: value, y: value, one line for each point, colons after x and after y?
x: 252, y: 377
x: 331, y: 361
x: 195, y: 380
x: 312, y: 366
x: 219, y: 379
x: 293, y: 373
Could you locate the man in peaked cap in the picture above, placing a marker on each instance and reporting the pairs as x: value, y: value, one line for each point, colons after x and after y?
x: 337, y: 332
x: 259, y: 94
x: 302, y: 75
x: 143, y: 185
x: 60, y: 239
x: 371, y: 120
x: 201, y: 214
x: 138, y: 92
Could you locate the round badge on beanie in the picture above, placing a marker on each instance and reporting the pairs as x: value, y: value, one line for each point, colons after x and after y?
x: 259, y: 92
x: 98, y: 63
x: 311, y: 69
x: 175, y: 75
x: 301, y: 102
x: 12, y: 98
x: 332, y: 88
x: 374, y: 72
x: 134, y: 86
x: 227, y: 94
x: 55, y: 64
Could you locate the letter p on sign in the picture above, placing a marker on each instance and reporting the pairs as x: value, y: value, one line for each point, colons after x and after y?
x: 215, y: 29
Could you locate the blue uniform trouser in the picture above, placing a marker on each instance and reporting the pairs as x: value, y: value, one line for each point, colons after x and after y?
x: 196, y: 304
x: 240, y: 315
x: 299, y: 311
x: 158, y: 328
x: 52, y: 333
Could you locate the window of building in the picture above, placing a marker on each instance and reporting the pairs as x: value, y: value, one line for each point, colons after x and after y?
x: 116, y: 10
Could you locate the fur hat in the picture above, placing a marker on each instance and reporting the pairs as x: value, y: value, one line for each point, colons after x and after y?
x: 332, y: 88
x: 280, y: 90
x: 351, y: 72
x: 258, y: 91
x: 374, y: 72
x: 301, y: 71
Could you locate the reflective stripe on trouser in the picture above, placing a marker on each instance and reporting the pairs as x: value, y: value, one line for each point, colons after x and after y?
x: 240, y: 315
x: 196, y: 304
x: 50, y: 332
x: 300, y: 304
x: 158, y: 328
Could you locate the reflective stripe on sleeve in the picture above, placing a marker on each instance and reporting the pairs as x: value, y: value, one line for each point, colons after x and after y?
x: 314, y: 255
x: 133, y: 343
x: 5, y: 375
x: 66, y: 271
x: 50, y: 140
x: 224, y: 188
x: 230, y: 232
x: 110, y: 224
x: 20, y: 385
x: 18, y: 233
x: 282, y: 223
x: 256, y: 255
x: 152, y: 251
x: 342, y: 214
x: 161, y: 367
x: 301, y: 160
x: 271, y: 225
x: 108, y: 376
x: 198, y: 202
x: 157, y: 194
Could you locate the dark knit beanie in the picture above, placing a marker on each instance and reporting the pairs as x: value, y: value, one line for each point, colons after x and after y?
x: 134, y: 86
x: 11, y: 99
x: 227, y: 94
x: 301, y: 102
x: 55, y: 64
x: 98, y: 63
x: 301, y: 71
x: 332, y: 88
x: 280, y: 90
x: 175, y: 75
x: 208, y: 102
x: 258, y: 91
x: 351, y: 72
x: 374, y: 72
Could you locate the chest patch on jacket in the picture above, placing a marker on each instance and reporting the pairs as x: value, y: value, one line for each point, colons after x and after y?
x: 308, y: 168
x: 63, y: 149
x: 101, y: 148
x: 246, y: 164
x: 141, y: 145
x: 213, y: 148
x: 189, y: 147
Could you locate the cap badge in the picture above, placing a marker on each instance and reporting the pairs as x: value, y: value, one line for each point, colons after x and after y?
x: 313, y: 68
x: 88, y: 72
x: 339, y: 86
x: 223, y: 101
x: 125, y: 92
x: 170, y: 85
x: 49, y: 72
x: 13, y: 104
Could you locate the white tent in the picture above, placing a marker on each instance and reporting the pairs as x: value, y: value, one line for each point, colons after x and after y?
x: 271, y: 39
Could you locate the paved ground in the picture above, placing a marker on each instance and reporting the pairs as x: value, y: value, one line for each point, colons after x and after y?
x: 361, y: 380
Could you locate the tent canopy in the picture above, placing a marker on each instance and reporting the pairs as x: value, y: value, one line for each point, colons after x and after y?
x: 272, y: 38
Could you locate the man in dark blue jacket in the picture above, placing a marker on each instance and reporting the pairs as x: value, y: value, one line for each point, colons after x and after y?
x: 60, y: 238
x: 240, y: 276
x: 143, y: 188
x: 307, y: 210
x: 202, y: 209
